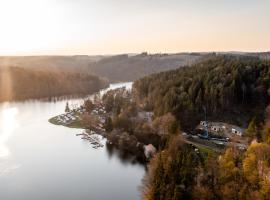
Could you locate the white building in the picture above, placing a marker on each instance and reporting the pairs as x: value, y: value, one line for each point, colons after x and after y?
x: 237, y: 131
x: 149, y: 151
x: 203, y: 123
x: 216, y: 128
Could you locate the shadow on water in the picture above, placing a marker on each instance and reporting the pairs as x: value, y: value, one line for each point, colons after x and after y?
x: 124, y: 157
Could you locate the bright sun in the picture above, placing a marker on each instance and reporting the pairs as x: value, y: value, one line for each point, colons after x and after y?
x: 29, y: 25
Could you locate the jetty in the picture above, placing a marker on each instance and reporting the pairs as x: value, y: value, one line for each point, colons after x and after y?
x: 91, y: 137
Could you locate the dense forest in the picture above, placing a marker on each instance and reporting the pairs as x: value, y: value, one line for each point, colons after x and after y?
x: 19, y: 83
x: 230, y: 88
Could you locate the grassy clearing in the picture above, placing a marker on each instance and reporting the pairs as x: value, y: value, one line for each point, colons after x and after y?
x: 54, y: 121
x: 207, y: 151
x: 75, y: 124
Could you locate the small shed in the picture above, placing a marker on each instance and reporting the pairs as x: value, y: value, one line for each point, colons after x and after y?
x: 237, y: 131
x: 149, y: 151
x: 216, y: 128
x: 203, y: 123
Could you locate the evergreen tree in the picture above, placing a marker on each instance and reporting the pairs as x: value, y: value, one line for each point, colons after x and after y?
x: 108, y: 124
x: 67, y: 109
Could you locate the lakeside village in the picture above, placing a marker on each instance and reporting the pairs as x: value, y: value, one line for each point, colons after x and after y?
x: 116, y: 117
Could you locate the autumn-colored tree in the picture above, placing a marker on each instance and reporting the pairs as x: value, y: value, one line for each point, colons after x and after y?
x: 256, y: 167
x: 122, y: 122
x: 89, y: 106
x: 230, y: 176
x: 266, y: 128
x: 67, y: 109
x: 108, y: 124
x: 172, y: 172
x: 90, y: 121
x: 166, y: 124
x: 254, y: 129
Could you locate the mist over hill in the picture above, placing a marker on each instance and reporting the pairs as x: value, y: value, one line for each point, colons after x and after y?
x: 20, y: 83
x: 53, y: 63
x: 116, y: 68
x: 130, y: 68
x: 126, y: 67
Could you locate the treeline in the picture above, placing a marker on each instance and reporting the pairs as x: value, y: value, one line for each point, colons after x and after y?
x: 19, y: 83
x: 230, y: 88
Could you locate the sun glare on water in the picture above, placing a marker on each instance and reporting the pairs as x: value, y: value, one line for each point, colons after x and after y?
x: 8, y: 124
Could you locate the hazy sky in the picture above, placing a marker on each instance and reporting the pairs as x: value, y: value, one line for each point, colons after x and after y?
x: 127, y: 26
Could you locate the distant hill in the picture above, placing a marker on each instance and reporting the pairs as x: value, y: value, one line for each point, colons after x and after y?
x: 20, y: 83
x: 130, y: 68
x: 52, y: 63
x: 262, y: 55
x: 126, y: 67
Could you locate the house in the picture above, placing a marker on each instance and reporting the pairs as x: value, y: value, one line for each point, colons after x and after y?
x: 149, y: 151
x: 237, y: 131
x: 216, y: 128
x: 146, y: 116
x: 203, y: 123
x: 102, y: 120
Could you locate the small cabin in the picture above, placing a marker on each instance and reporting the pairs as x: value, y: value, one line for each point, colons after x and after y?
x: 237, y: 131
x: 149, y: 151
x: 216, y: 128
x: 203, y: 123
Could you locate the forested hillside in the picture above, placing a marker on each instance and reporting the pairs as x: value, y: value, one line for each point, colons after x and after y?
x: 18, y: 83
x: 231, y: 88
x: 129, y: 68
x: 115, y: 68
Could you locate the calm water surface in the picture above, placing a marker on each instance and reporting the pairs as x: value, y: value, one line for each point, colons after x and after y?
x: 41, y: 161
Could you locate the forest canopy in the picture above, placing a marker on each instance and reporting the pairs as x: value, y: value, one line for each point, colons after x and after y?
x: 230, y: 88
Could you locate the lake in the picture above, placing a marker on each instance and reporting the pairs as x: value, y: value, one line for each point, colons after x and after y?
x: 41, y: 161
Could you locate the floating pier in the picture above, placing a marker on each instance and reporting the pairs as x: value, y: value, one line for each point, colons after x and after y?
x: 93, y: 139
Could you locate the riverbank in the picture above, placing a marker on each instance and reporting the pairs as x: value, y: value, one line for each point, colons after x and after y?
x: 122, y: 123
x: 52, y: 158
x: 105, y: 115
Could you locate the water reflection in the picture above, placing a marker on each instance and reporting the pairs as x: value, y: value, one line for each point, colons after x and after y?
x: 43, y: 161
x: 124, y: 157
x: 8, y: 124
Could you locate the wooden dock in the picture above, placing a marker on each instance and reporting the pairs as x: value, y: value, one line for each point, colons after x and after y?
x: 91, y: 138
